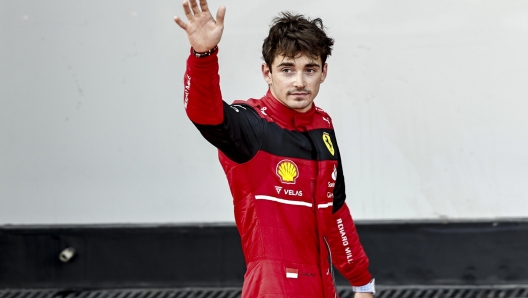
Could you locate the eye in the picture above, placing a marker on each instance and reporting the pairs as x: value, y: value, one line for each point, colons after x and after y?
x: 286, y: 70
x: 311, y: 70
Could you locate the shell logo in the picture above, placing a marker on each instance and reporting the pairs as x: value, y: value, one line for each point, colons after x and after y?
x: 328, y: 142
x: 288, y: 171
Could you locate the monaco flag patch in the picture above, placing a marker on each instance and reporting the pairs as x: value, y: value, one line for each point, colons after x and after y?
x: 292, y: 273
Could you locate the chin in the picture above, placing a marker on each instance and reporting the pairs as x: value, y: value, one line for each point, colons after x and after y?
x: 299, y: 106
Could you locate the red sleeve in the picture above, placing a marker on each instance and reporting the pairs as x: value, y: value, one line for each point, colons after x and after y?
x: 202, y: 95
x: 348, y: 255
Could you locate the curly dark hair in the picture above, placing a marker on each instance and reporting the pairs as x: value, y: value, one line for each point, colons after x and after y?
x: 292, y: 35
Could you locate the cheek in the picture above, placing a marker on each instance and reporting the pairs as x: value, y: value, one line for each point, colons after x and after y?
x: 279, y: 84
x: 315, y: 84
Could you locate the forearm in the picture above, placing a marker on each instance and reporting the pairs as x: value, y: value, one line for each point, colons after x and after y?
x: 347, y: 252
x: 202, y: 95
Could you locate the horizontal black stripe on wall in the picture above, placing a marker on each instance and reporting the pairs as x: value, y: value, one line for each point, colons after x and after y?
x: 426, y: 253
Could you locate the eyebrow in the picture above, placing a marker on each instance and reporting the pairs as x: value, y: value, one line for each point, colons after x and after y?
x: 312, y: 65
x: 292, y: 64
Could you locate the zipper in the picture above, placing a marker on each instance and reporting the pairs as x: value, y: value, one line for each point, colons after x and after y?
x: 330, y: 264
x: 314, y: 198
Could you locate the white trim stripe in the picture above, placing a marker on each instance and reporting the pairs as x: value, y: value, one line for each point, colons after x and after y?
x: 288, y: 202
x: 320, y: 206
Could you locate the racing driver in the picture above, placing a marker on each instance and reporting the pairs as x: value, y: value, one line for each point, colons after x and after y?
x: 281, y: 159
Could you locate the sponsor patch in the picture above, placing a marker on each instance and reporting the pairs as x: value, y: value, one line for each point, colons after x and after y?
x: 328, y: 142
x: 288, y: 192
x: 287, y: 171
x: 186, y: 92
x: 240, y: 106
x: 292, y: 273
x: 344, y: 239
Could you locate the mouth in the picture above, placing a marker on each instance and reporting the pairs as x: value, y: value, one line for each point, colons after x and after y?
x: 299, y: 93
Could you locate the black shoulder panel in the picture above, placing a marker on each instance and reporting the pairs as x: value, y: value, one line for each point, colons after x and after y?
x: 282, y: 142
x: 325, y: 142
x: 239, y: 136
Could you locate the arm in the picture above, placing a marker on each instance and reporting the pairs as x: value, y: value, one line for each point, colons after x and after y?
x: 234, y: 131
x: 201, y: 77
x: 348, y: 255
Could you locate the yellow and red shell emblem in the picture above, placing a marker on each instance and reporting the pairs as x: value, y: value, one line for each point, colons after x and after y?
x: 288, y: 171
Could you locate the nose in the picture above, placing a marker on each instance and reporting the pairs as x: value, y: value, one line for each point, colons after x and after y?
x: 299, y: 81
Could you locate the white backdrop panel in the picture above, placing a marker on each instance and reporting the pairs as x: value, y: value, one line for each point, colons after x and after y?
x: 429, y: 100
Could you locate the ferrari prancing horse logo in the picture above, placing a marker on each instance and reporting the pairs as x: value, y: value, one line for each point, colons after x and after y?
x: 328, y: 142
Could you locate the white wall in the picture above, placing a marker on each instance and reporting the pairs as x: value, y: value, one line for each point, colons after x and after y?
x: 429, y: 100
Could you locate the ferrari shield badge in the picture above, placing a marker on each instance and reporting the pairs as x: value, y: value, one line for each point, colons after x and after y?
x: 328, y: 142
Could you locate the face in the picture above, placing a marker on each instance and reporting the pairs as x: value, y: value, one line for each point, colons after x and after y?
x: 295, y: 82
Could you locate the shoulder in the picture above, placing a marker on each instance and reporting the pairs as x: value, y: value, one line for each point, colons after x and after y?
x: 322, y: 119
x: 255, y: 104
x: 250, y: 102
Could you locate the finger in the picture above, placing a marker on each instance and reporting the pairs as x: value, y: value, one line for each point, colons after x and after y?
x: 220, y: 14
x: 203, y: 5
x: 194, y: 7
x: 180, y: 23
x: 187, y: 10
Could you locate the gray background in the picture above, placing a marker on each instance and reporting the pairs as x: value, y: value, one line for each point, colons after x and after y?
x: 429, y: 100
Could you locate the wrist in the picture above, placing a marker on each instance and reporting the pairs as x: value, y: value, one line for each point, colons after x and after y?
x: 204, y: 54
x: 363, y: 295
x: 368, y: 288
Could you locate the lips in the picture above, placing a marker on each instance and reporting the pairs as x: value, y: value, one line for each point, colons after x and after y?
x: 297, y: 93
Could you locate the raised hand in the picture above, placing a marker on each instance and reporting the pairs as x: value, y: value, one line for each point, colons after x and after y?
x: 203, y: 31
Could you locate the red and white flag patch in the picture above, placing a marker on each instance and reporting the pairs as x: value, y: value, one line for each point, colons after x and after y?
x: 292, y: 273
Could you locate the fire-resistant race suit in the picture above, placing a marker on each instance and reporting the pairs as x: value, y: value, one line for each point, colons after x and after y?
x: 285, y: 175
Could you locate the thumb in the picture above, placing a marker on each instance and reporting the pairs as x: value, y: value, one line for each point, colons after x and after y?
x: 220, y: 14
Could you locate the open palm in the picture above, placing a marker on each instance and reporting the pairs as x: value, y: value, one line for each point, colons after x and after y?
x: 203, y: 31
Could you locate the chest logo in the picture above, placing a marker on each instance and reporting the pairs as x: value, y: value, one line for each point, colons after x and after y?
x: 328, y: 142
x: 287, y: 171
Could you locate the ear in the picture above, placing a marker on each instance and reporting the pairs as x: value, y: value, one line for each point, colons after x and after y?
x: 325, y: 71
x: 266, y: 73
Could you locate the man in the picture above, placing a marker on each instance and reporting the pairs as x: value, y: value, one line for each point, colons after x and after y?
x: 281, y: 159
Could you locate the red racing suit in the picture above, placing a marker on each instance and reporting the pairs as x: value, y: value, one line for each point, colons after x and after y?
x: 285, y: 175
